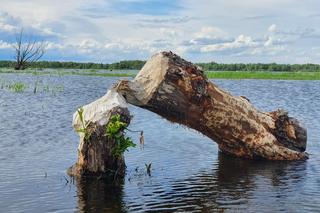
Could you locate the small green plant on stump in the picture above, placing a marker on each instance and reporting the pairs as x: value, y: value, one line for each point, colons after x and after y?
x: 116, y: 130
x: 84, y: 124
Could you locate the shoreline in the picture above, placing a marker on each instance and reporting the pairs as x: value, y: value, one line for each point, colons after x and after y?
x: 232, y: 75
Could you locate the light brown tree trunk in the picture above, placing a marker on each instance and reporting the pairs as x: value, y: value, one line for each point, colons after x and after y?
x: 95, y: 151
x: 180, y: 92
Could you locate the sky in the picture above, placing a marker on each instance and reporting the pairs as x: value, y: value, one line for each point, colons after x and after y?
x: 224, y: 31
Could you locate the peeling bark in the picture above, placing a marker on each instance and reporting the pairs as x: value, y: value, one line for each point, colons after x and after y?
x: 180, y: 92
x: 95, y: 151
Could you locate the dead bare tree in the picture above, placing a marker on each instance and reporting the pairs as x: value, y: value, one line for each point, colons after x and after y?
x: 27, y: 51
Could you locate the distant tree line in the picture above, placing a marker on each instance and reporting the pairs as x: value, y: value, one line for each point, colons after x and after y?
x: 212, y: 66
x: 133, y: 64
x: 138, y: 64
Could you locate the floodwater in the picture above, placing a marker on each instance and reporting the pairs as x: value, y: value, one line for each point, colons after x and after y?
x: 38, y: 144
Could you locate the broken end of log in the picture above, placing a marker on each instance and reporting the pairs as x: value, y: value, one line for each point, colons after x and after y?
x: 289, y: 132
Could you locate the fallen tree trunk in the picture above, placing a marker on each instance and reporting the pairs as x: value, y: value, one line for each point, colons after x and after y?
x: 95, y: 151
x: 180, y: 92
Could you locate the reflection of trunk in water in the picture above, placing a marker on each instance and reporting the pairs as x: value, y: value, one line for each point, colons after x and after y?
x: 234, y: 181
x: 233, y: 171
x: 229, y: 184
x: 99, y: 195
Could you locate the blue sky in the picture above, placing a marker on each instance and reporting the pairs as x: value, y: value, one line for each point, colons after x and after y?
x: 249, y: 31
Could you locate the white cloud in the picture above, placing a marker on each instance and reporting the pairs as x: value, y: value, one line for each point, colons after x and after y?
x: 272, y: 28
x: 54, y: 46
x: 240, y: 42
x: 207, y: 36
x: 170, y: 32
x: 4, y: 45
x: 8, y: 23
x: 88, y: 44
x: 268, y: 42
x: 239, y: 46
x: 196, y: 31
x: 7, y: 27
x: 210, y: 32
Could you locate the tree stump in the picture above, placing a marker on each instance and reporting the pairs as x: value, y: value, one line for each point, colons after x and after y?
x: 95, y: 151
x: 180, y: 92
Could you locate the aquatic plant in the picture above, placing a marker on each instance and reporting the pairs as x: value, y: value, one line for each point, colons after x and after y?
x: 46, y: 88
x: 148, y: 168
x: 17, y: 87
x: 38, y: 86
x: 116, y: 130
x: 59, y: 88
x: 35, y: 87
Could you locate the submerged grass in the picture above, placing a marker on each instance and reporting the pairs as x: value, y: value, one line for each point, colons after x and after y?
x: 16, y: 87
x: 20, y: 87
x: 13, y: 86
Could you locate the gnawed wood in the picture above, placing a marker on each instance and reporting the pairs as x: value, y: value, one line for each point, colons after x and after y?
x: 95, y: 151
x: 180, y: 92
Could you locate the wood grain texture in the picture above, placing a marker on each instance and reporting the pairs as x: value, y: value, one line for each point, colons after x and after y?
x: 180, y: 92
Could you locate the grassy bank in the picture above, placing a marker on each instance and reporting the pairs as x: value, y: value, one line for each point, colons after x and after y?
x: 264, y: 75
x: 63, y: 72
x: 210, y: 74
x: 237, y: 75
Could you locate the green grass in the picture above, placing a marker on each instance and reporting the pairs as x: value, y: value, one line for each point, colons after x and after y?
x: 20, y: 87
x: 264, y: 75
x: 62, y: 72
x: 234, y: 75
x: 211, y: 74
x: 14, y: 87
x: 17, y: 87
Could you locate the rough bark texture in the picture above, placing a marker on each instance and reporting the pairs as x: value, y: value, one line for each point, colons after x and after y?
x: 95, y: 151
x: 180, y: 92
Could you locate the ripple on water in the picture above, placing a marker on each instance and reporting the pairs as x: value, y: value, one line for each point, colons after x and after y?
x: 37, y: 145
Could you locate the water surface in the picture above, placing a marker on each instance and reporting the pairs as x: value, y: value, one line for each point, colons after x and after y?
x: 38, y: 144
